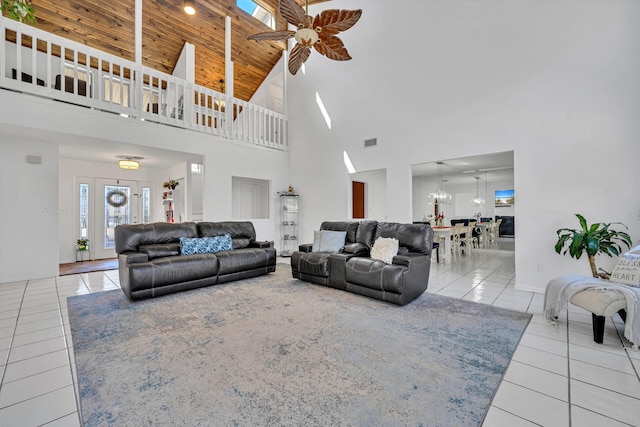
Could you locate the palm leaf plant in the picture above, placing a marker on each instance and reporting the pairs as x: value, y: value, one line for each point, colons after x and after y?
x: 594, y: 239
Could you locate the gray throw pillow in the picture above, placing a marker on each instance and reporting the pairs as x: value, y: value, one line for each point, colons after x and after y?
x: 328, y: 241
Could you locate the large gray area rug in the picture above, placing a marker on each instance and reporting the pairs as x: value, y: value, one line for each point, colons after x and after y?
x: 276, y: 351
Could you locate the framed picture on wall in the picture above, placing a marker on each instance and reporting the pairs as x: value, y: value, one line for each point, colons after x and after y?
x: 504, y: 198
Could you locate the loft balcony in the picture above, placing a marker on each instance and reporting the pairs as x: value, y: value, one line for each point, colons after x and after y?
x: 38, y: 63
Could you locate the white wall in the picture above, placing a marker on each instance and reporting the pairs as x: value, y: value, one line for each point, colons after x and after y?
x: 556, y: 82
x: 52, y: 123
x: 375, y: 187
x: 29, y: 206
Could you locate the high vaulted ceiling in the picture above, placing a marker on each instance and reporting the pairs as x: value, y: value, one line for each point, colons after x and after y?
x: 109, y: 26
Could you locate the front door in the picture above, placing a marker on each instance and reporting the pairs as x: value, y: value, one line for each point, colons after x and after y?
x: 116, y: 203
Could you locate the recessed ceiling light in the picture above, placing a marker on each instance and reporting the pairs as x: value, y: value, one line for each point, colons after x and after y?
x: 189, y: 7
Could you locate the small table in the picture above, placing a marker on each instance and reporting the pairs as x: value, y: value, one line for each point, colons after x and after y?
x: 446, y: 233
x: 80, y: 254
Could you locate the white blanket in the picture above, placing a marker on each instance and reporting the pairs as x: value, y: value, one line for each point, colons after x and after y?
x: 560, y: 290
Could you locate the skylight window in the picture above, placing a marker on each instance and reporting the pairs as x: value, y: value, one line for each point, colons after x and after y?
x: 258, y: 12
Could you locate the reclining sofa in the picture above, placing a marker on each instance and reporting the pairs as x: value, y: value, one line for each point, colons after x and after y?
x: 151, y: 262
x: 353, y: 270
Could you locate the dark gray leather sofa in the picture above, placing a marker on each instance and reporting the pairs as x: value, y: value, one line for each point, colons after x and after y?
x: 352, y: 270
x: 150, y: 263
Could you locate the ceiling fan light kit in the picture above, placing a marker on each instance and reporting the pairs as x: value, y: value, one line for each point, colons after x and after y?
x: 319, y: 32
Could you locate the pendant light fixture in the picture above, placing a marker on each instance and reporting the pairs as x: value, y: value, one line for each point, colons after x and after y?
x: 189, y: 7
x: 477, y: 201
x: 440, y: 196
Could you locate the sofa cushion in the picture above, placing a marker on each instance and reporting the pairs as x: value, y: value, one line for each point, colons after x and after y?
x: 130, y: 237
x: 351, y: 227
x: 245, y: 259
x: 375, y: 274
x: 384, y: 249
x: 171, y: 270
x: 205, y: 245
x: 242, y: 232
x: 328, y: 241
x: 160, y: 250
x: 312, y: 263
x: 627, y: 270
x: 411, y: 236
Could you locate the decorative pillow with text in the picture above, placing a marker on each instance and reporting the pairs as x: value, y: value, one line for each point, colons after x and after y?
x: 628, y: 270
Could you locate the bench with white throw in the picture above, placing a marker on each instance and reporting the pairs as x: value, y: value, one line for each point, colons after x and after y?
x: 603, y: 298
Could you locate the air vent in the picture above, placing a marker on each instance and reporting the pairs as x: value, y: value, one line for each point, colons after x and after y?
x: 34, y: 160
x: 370, y: 142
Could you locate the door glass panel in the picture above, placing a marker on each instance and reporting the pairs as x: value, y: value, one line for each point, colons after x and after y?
x: 84, y: 210
x: 146, y: 205
x: 117, y: 211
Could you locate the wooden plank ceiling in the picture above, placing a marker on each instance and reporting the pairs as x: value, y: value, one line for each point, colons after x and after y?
x: 109, y: 26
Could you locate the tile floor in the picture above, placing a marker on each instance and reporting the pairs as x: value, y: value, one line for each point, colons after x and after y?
x: 558, y: 375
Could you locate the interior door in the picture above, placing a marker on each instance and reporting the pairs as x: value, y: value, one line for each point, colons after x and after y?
x: 357, y: 199
x: 116, y: 203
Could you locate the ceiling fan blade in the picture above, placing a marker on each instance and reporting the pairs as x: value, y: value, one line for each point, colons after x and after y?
x: 299, y: 54
x: 272, y: 35
x: 332, y: 47
x: 332, y: 21
x: 292, y: 12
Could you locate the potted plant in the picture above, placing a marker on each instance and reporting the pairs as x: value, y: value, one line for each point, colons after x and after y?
x: 171, y: 184
x: 597, y: 238
x: 20, y: 10
x: 82, y: 244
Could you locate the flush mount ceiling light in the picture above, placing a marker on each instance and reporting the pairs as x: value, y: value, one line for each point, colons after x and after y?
x: 439, y: 196
x: 189, y: 7
x: 319, y: 32
x: 129, y: 164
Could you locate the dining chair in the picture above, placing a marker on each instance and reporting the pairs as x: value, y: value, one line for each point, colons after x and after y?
x: 467, y: 238
x: 496, y: 231
x: 456, y: 238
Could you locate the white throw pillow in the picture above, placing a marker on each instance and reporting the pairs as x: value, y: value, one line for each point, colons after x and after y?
x: 628, y: 270
x: 384, y: 249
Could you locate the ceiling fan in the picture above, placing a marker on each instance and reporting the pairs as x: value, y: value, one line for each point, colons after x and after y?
x: 319, y: 32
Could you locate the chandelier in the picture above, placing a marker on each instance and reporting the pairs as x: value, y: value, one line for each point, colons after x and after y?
x: 477, y: 201
x: 440, y: 196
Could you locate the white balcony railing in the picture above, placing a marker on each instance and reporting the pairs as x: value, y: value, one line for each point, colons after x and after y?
x: 39, y: 63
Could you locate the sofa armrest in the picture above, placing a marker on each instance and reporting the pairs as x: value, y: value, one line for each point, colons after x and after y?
x: 132, y: 258
x: 124, y: 261
x: 259, y: 244
x: 338, y: 270
x: 305, y: 248
x: 359, y: 249
x: 407, y: 259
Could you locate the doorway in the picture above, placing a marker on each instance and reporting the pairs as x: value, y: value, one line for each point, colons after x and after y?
x: 116, y: 202
x: 358, y: 191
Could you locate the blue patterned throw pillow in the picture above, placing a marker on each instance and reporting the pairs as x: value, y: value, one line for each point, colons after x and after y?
x: 205, y: 245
